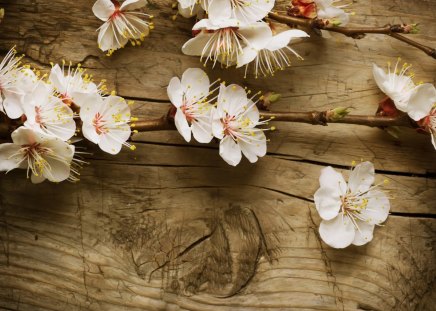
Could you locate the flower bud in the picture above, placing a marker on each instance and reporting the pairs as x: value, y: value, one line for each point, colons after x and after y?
x: 337, y: 113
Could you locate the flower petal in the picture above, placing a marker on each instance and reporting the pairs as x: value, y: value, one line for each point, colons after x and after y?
x: 130, y: 5
x: 182, y: 125
x: 175, y: 92
x: 327, y: 203
x: 10, y: 156
x: 361, y: 177
x: 232, y: 99
x: 230, y: 151
x: 256, y: 35
x: 364, y: 234
x: 253, y: 146
x: 380, y: 77
x: 247, y: 56
x: 377, y: 208
x: 250, y: 11
x: 329, y: 178
x: 195, y: 46
x: 338, y: 232
x: 219, y: 9
x: 103, y: 9
x: 282, y: 39
x: 421, y: 101
x: 202, y: 131
x: 195, y: 83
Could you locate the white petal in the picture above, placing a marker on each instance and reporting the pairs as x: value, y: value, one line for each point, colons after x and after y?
x: 377, y: 209
x: 195, y: 83
x: 256, y: 147
x: 220, y: 9
x: 9, y: 156
x: 327, y: 203
x: 230, y: 151
x: 195, y: 46
x: 338, y: 232
x: 130, y: 5
x: 57, y: 78
x: 182, y: 125
x: 37, y: 179
x: 361, y: 177
x: 59, y: 170
x: 109, y: 38
x: 202, y: 131
x: 232, y: 99
x: 188, y: 12
x: 112, y: 142
x: 90, y: 105
x: 90, y: 133
x: 421, y: 101
x: 247, y: 56
x: 364, y: 234
x: 249, y: 11
x: 380, y: 77
x: 284, y: 38
x: 24, y: 136
x: 217, y: 126
x: 12, y: 104
x: 103, y: 9
x: 175, y: 92
x: 257, y: 35
x: 329, y: 178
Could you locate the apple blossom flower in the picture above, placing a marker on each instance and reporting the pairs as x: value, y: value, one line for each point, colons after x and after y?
x: 47, y: 113
x: 246, y: 11
x: 72, y: 86
x: 194, y: 108
x: 15, y: 81
x: 234, y: 122
x: 399, y: 86
x: 44, y: 156
x: 121, y: 23
x: 106, y: 122
x: 224, y: 40
x: 270, y: 55
x: 350, y: 211
x: 326, y: 9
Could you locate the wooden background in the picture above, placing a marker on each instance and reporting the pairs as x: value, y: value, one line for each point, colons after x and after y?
x: 172, y: 227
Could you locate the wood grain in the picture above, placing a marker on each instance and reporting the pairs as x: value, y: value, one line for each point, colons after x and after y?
x: 172, y: 227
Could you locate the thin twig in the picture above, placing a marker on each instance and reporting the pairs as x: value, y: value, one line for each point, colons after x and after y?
x: 355, y: 32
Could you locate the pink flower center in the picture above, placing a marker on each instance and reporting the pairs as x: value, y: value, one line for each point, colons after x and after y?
x: 38, y: 117
x: 98, y: 124
x: 228, y: 128
x: 187, y: 112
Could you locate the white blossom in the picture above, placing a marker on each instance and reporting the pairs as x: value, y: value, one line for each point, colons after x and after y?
x: 270, y: 55
x: 190, y: 8
x: 44, y: 156
x: 224, y: 40
x: 122, y: 23
x: 47, y: 113
x: 350, y: 211
x: 106, y: 122
x: 194, y: 108
x: 234, y: 122
x: 399, y: 87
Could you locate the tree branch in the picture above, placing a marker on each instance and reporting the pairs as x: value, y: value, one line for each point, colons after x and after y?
x: 355, y: 32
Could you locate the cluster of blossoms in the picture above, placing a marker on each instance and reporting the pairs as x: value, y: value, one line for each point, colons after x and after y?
x: 123, y: 23
x: 417, y: 100
x: 323, y: 9
x: 48, y: 111
x: 350, y: 211
x: 234, y: 34
x: 206, y: 110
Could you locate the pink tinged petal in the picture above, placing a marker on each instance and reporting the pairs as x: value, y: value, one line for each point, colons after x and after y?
x: 364, y: 234
x: 257, y: 35
x: 327, y: 202
x: 195, y: 46
x: 195, y: 83
x: 130, y: 5
x: 202, y: 131
x: 361, y: 177
x: 219, y: 9
x: 284, y: 38
x: 247, y: 56
x: 103, y: 9
x: 421, y: 101
x: 9, y: 156
x: 90, y: 133
x: 90, y: 105
x: 182, y: 125
x: 230, y: 151
x: 175, y: 92
x: 380, y: 77
x: 338, y: 232
x: 329, y: 178
x: 217, y: 127
x: 377, y: 209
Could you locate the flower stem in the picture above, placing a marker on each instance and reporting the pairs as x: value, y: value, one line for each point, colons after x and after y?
x: 355, y: 32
